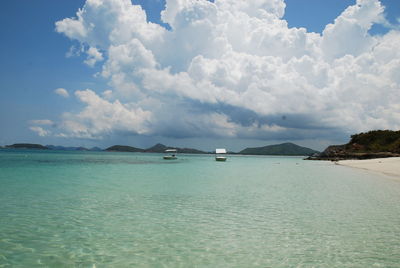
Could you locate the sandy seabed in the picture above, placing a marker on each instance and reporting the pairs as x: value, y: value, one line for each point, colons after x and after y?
x: 388, y: 166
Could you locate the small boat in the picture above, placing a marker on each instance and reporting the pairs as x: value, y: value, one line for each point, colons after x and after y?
x: 220, y: 155
x: 170, y: 154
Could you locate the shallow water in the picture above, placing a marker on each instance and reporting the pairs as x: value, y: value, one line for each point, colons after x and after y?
x: 86, y: 209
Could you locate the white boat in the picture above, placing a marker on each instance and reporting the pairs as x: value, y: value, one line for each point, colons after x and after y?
x: 220, y: 155
x: 170, y: 154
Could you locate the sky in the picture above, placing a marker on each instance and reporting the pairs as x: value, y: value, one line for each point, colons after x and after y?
x: 197, y: 73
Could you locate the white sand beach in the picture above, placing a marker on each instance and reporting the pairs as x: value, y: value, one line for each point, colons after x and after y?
x: 388, y: 166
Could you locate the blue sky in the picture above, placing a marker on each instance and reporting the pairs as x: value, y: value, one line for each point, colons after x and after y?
x: 33, y: 53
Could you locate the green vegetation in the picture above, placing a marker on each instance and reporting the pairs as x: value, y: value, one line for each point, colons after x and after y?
x: 279, y: 149
x: 190, y: 151
x: 375, y: 141
x: 368, y: 145
x: 123, y: 148
x: 26, y: 146
x: 160, y: 148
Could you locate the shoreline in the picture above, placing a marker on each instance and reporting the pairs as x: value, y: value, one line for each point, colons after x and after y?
x: 387, y: 166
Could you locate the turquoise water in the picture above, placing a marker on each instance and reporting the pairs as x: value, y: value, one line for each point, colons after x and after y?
x: 75, y: 209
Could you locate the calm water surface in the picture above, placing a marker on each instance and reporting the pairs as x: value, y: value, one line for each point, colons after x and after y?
x: 63, y: 209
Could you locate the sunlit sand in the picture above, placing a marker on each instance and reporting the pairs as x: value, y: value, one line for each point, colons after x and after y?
x: 387, y: 166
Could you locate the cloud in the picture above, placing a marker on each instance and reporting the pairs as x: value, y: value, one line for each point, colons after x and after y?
x: 107, y: 94
x: 44, y: 122
x: 100, y: 118
x: 353, y: 24
x: 93, y: 56
x: 40, y: 131
x: 74, y: 51
x: 62, y: 92
x: 227, y: 56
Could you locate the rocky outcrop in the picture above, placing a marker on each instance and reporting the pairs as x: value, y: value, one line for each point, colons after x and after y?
x: 369, y: 145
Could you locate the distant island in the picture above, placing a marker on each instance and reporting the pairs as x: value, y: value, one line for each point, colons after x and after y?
x: 158, y: 148
x: 290, y: 149
x: 26, y: 146
x: 124, y: 148
x: 34, y: 146
x: 368, y: 145
x: 280, y: 149
x: 63, y: 148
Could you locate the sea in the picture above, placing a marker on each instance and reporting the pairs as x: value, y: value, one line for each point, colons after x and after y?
x: 102, y: 209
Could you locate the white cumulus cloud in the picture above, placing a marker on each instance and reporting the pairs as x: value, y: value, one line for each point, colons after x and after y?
x: 40, y: 131
x: 234, y: 68
x: 93, y: 56
x: 62, y: 92
x: 101, y: 117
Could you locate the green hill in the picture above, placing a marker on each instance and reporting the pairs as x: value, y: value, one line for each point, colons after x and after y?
x: 372, y: 144
x: 279, y: 149
x: 158, y: 148
x: 26, y: 146
x: 190, y: 151
x: 124, y: 148
x: 375, y: 141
